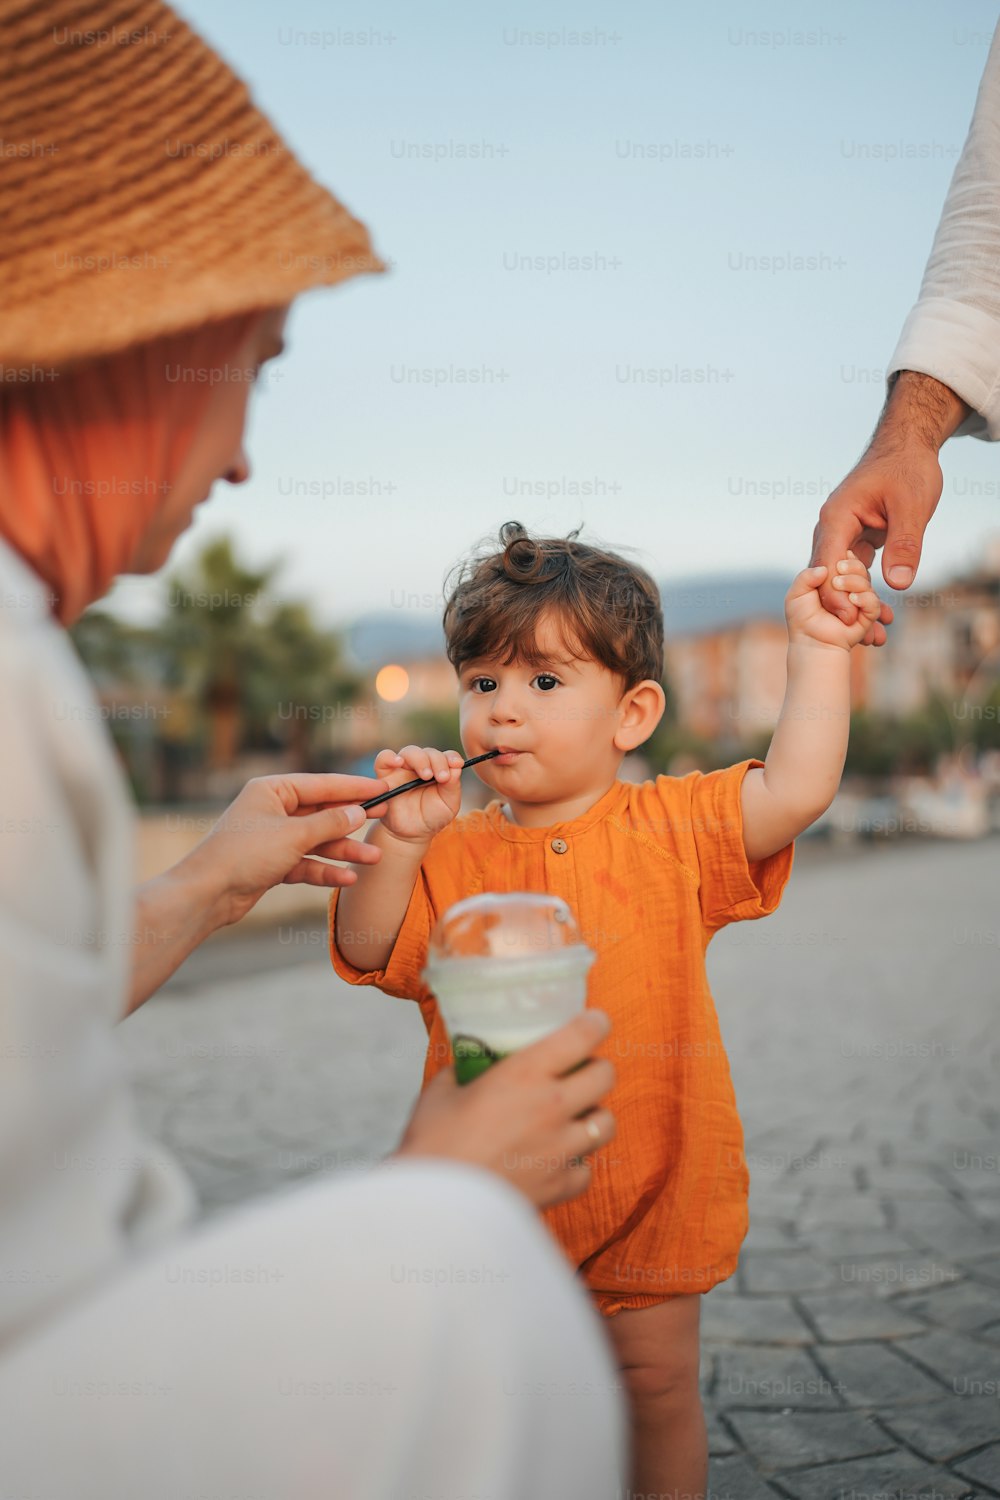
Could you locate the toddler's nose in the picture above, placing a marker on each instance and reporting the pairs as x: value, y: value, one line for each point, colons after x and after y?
x: 504, y: 710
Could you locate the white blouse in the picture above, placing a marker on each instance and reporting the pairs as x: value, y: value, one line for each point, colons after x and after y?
x: 953, y: 332
x: 80, y: 1186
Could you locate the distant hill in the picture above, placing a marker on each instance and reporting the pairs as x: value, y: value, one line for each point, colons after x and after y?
x: 394, y: 636
x: 691, y: 606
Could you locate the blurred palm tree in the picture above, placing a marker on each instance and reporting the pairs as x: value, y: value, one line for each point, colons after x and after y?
x: 304, y: 679
x: 211, y: 638
x: 241, y: 668
x: 256, y: 665
x: 124, y: 662
x: 112, y: 649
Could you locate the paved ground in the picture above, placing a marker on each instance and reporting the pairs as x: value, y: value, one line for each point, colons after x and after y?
x: 856, y: 1353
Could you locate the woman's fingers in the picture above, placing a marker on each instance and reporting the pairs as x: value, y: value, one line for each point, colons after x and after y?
x: 595, y: 1130
x: 315, y: 789
x: 570, y: 1183
x: 565, y: 1049
x: 328, y: 826
x: 311, y: 870
x: 586, y: 1086
x: 356, y: 851
x: 523, y: 1119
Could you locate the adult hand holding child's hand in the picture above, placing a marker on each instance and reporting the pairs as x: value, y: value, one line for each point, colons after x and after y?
x: 891, y: 493
x: 809, y: 622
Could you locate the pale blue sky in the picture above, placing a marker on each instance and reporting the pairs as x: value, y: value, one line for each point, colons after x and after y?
x: 754, y: 148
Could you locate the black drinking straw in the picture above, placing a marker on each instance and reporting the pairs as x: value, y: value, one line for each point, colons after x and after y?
x: 408, y: 786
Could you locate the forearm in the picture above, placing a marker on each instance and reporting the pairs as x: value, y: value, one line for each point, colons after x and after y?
x: 174, y: 912
x: 952, y: 332
x: 370, y: 912
x: 805, y: 760
x: 918, y: 409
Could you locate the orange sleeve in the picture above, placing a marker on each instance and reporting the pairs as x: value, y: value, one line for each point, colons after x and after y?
x: 401, y: 975
x: 707, y: 826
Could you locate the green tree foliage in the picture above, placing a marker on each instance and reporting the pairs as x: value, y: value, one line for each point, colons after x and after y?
x: 881, y: 746
x: 433, y: 726
x: 255, y: 663
x: 242, y: 667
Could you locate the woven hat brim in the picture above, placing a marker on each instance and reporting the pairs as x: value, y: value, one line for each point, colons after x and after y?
x: 141, y: 191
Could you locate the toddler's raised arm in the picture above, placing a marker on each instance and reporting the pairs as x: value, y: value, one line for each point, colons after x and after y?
x: 805, y: 762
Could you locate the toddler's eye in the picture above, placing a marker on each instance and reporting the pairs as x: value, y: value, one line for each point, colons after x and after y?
x: 482, y: 684
x: 546, y: 681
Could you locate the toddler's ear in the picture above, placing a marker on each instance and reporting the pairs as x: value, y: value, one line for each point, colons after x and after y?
x: 642, y: 710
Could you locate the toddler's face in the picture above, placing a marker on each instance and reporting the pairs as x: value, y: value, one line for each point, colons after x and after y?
x: 559, y: 719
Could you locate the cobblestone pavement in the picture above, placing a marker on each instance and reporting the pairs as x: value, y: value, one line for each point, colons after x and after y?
x: 856, y: 1352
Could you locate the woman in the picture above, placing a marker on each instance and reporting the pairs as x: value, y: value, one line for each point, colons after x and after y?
x: 353, y: 1337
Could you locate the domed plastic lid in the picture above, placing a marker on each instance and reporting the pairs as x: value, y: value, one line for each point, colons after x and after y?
x: 516, y: 926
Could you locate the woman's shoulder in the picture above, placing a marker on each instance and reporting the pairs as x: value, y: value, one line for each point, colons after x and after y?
x: 53, y: 741
x: 25, y: 599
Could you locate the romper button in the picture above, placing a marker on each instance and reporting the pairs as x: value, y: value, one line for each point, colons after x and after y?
x: 559, y: 846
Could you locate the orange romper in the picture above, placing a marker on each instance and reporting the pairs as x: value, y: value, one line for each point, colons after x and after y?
x: 651, y: 872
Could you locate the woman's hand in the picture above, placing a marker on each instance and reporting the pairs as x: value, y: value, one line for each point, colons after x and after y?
x: 264, y: 837
x: 530, y: 1118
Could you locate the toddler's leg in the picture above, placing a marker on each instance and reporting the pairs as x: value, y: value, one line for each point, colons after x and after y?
x: 658, y: 1351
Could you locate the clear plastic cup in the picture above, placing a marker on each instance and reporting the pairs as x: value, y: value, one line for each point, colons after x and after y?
x: 506, y: 970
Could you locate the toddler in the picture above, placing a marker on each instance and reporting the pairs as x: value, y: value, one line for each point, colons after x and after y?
x: 558, y: 649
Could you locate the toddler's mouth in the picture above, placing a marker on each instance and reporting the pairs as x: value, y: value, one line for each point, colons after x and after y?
x: 507, y: 757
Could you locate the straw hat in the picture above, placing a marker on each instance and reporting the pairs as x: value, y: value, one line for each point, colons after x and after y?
x: 141, y: 192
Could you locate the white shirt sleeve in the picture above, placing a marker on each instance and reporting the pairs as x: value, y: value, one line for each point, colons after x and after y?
x: 81, y: 1188
x: 953, y: 331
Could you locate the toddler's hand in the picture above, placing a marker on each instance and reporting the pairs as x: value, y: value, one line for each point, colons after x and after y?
x: 808, y: 620
x: 420, y: 814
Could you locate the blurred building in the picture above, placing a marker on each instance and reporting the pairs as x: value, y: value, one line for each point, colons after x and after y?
x: 724, y: 666
x: 945, y: 642
x: 360, y: 728
x: 728, y: 684
x: 729, y: 679
x: 726, y: 646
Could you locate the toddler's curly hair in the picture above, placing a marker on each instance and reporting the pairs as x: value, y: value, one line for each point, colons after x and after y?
x: 605, y: 607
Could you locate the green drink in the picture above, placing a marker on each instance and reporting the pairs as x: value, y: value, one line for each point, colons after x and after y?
x: 506, y: 970
x: 472, y: 1057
